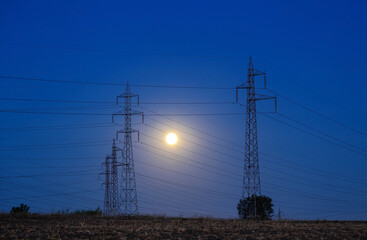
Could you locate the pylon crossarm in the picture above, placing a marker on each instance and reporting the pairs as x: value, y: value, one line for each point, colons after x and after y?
x: 127, y: 96
x: 242, y: 86
x: 267, y: 97
x: 125, y: 132
x: 120, y: 113
x: 258, y: 72
x: 264, y: 98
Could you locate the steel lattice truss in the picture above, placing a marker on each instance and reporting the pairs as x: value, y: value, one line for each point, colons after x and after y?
x: 251, y: 177
x: 122, y: 198
x: 129, y: 200
x: 251, y: 174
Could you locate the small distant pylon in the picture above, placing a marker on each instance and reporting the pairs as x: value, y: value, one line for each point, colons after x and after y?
x: 251, y: 176
x: 111, y: 199
x: 279, y: 215
x: 115, y: 200
x: 129, y: 199
x: 107, y: 184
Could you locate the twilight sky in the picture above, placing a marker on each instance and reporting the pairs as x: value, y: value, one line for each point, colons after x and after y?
x: 55, y: 135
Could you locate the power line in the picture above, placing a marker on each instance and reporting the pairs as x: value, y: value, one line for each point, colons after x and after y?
x: 325, y: 173
x: 55, y: 127
x: 181, y: 173
x: 181, y: 201
x: 108, y: 114
x: 39, y: 177
x: 319, y: 114
x: 56, y: 147
x: 225, y: 140
x: 54, y: 100
x: 43, y: 198
x: 196, y: 129
x: 17, y: 186
x: 40, y: 188
x: 55, y: 167
x: 279, y: 178
x: 71, y: 173
x: 214, y: 192
x: 316, y: 136
x: 186, y: 174
x: 197, y: 153
x: 181, y: 191
x: 211, y: 149
x: 55, y: 113
x: 291, y: 193
x: 320, y: 132
x: 188, y: 164
x: 114, y: 84
x: 49, y: 158
x: 42, y: 146
x: 334, y: 188
x: 271, y: 175
x: 159, y: 115
x: 232, y: 156
x: 185, y: 103
x: 103, y: 107
x: 49, y: 195
x: 110, y: 102
x: 268, y: 168
x: 191, y: 134
x: 166, y: 190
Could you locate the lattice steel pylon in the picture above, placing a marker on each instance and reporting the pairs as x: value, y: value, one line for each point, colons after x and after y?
x: 129, y: 200
x: 115, y: 198
x: 111, y: 198
x: 107, y: 184
x: 251, y: 175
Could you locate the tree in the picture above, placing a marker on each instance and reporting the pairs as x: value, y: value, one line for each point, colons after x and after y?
x: 264, y: 208
x: 23, y: 209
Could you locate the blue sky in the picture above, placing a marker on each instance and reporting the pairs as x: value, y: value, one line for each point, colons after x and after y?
x: 313, y: 53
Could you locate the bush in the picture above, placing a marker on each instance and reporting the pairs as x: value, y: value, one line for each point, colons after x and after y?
x: 264, y: 208
x: 63, y: 212
x: 97, y: 212
x: 23, y: 209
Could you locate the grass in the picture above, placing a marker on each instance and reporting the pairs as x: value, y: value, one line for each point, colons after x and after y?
x: 87, y: 226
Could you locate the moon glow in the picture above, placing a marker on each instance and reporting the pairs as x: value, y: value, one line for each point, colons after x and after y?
x: 171, y: 139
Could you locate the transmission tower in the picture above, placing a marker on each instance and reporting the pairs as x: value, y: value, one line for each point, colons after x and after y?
x: 111, y: 199
x: 128, y: 193
x: 251, y: 176
x: 107, y: 184
x: 115, y: 200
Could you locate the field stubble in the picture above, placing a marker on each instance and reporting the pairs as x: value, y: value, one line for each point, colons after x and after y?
x: 96, y: 227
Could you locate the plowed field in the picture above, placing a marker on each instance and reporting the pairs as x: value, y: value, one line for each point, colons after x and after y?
x: 94, y: 227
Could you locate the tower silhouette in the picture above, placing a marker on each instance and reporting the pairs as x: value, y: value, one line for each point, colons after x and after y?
x: 107, y: 184
x: 129, y: 200
x: 111, y: 198
x: 115, y: 200
x: 251, y: 175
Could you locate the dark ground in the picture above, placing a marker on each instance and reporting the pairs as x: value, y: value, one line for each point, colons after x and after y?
x: 96, y: 227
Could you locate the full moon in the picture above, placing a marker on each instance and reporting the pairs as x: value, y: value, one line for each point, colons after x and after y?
x: 171, y: 138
